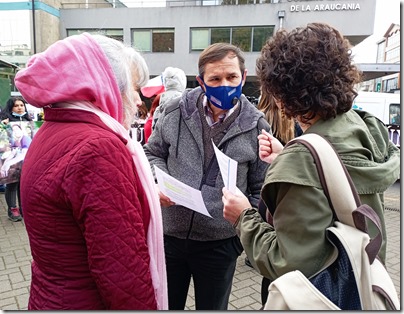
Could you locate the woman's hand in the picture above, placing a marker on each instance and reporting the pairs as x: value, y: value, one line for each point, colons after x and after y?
x: 270, y: 147
x: 5, y: 168
x: 233, y: 205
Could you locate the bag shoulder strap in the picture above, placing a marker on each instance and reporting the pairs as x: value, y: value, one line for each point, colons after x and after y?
x: 340, y: 189
x: 334, y: 177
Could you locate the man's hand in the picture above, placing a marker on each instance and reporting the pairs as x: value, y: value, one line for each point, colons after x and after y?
x: 164, y: 200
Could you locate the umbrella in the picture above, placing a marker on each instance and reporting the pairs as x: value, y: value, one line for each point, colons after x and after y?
x: 153, y: 87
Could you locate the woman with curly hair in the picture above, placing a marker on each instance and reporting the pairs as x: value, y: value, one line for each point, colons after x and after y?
x: 310, y: 72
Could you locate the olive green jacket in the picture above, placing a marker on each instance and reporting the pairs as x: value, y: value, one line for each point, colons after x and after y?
x: 293, y: 192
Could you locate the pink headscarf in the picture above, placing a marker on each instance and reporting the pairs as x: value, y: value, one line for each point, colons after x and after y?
x: 71, y: 69
x: 76, y: 74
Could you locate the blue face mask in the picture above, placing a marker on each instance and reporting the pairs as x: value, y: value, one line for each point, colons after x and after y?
x: 18, y: 114
x: 223, y: 97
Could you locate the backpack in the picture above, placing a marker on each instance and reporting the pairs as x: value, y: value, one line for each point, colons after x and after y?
x: 371, y: 287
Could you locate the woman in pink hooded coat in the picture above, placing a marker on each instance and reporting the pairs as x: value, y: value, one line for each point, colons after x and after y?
x: 90, y: 206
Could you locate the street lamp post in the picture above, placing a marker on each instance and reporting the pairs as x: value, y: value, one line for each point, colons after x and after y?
x: 281, y: 16
x: 33, y: 26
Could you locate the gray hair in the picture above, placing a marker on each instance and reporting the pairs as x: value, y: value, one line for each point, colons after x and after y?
x: 125, y: 62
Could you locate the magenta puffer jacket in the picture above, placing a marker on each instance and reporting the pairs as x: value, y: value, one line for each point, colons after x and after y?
x: 86, y: 216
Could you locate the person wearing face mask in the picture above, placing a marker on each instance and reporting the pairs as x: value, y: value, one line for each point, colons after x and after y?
x: 15, y: 110
x: 196, y: 245
x: 91, y: 209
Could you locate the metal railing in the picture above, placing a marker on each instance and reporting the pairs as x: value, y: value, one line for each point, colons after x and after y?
x: 94, y: 4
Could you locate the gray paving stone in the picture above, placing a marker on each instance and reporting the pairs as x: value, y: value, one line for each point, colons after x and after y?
x: 7, y: 301
x: 16, y: 277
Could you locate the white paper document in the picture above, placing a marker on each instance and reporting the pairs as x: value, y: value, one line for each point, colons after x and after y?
x: 180, y: 193
x: 228, y: 169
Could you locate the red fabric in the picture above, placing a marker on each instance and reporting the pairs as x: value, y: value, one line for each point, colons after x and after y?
x: 86, y: 216
x: 148, y: 128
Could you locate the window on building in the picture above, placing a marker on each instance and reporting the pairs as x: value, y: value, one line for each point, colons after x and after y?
x: 200, y: 39
x: 380, y: 52
x: 112, y: 33
x: 242, y: 38
x: 260, y: 36
x: 219, y: 35
x: 393, y: 40
x: 249, y: 39
x: 153, y: 40
x: 393, y: 55
x: 236, y: 2
x: 391, y: 84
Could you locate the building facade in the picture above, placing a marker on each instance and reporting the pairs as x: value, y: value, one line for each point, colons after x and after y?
x: 388, y: 51
x: 174, y: 35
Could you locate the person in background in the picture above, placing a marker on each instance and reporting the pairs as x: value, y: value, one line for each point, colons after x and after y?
x: 283, y: 128
x: 91, y: 209
x: 15, y: 110
x: 309, y: 71
x: 148, y: 124
x: 206, y: 248
x: 142, y: 113
x: 19, y: 144
x: 175, y: 83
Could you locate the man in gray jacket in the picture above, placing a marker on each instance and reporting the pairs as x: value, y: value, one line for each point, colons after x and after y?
x: 181, y: 145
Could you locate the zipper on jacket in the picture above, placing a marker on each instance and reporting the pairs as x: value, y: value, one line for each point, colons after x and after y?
x: 203, y: 181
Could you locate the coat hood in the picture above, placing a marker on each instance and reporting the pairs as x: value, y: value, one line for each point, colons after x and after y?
x: 364, y: 147
x: 73, y: 69
x: 174, y: 79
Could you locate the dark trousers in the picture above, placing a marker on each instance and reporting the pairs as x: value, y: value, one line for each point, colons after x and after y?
x: 211, y: 265
x: 264, y: 290
x: 11, y: 194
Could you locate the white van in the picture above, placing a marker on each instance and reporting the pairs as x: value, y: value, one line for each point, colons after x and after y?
x: 385, y: 106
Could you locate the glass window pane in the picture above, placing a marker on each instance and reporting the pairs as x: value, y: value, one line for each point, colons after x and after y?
x: 260, y: 36
x: 163, y: 40
x: 241, y: 37
x: 112, y: 33
x: 199, y: 39
x: 71, y: 32
x: 395, y: 114
x: 142, y: 40
x: 220, y: 35
x: 115, y: 34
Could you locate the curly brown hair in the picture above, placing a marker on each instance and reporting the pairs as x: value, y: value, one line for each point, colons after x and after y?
x: 310, y: 70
